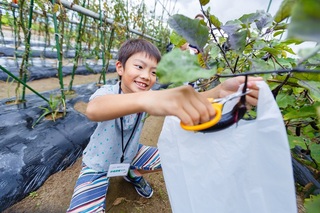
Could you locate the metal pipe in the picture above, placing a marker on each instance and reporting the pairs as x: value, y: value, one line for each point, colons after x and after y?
x: 84, y: 11
x: 77, y: 8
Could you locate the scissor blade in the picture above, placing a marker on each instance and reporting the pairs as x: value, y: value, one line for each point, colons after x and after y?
x: 230, y: 97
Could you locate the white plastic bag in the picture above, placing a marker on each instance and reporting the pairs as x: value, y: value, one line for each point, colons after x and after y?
x: 244, y: 168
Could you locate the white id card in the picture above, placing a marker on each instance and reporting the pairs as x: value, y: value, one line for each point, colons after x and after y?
x: 120, y: 169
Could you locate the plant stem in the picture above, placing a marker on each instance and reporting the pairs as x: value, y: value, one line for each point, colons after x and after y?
x: 59, y: 53
x: 102, y: 40
x: 27, y: 49
x: 17, y: 79
x: 78, y: 48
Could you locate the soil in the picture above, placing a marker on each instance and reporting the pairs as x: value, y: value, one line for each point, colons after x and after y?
x: 54, y: 195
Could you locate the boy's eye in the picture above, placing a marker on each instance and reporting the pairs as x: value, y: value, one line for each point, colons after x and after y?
x: 154, y: 73
x: 139, y: 66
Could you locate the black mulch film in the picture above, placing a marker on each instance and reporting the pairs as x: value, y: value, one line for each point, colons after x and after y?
x: 44, y: 71
x: 35, y: 73
x: 28, y: 156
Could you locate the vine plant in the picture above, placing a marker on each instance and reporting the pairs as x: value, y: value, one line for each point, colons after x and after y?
x: 252, y: 45
x: 50, y: 16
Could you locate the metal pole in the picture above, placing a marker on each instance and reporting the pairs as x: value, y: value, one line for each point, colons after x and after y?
x: 94, y: 15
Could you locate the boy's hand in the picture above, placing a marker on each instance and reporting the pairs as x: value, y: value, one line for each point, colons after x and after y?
x: 191, y: 107
x: 184, y: 102
x: 231, y: 85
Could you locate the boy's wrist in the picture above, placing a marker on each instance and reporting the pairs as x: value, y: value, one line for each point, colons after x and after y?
x: 140, y: 101
x: 213, y: 93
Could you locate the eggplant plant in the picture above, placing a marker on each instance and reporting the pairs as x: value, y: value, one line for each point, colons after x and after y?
x: 254, y: 44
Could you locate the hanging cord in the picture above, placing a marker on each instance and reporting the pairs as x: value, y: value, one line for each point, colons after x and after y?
x: 244, y: 89
x: 124, y: 147
x: 242, y: 108
x: 122, y: 137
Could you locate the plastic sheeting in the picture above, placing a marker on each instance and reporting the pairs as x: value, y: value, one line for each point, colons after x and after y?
x: 47, y: 72
x: 28, y: 156
x: 244, y: 168
x: 36, y: 52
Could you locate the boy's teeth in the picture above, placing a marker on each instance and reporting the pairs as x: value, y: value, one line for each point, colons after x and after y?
x: 142, y: 84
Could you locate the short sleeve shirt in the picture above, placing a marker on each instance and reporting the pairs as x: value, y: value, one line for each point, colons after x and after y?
x: 105, y: 146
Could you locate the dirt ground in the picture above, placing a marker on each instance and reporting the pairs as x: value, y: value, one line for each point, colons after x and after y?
x: 54, y: 196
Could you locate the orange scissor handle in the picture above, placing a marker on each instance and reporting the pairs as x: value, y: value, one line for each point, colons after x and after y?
x: 206, y: 125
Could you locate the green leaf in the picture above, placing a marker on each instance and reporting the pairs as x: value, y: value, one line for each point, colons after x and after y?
x: 292, y: 41
x: 215, y: 21
x: 315, y: 60
x: 231, y: 27
x: 303, y: 112
x: 261, y: 65
x: 259, y: 44
x: 284, y: 11
x: 191, y: 29
x: 204, y: 2
x: 315, y: 152
x: 307, y: 76
x: 247, y: 19
x: 284, y: 100
x: 55, y: 8
x: 271, y: 50
x: 237, y: 41
x: 313, y: 87
x: 214, y: 50
x: 180, y: 66
x: 286, y: 62
x: 312, y: 204
x: 176, y: 39
x: 280, y: 26
x: 296, y: 141
x: 305, y: 21
x: 278, y: 33
x: 263, y: 19
x: 285, y: 47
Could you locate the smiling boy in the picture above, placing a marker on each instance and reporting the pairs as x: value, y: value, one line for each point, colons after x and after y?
x: 119, y: 110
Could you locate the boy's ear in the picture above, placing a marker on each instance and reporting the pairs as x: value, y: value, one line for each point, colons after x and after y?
x: 119, y: 68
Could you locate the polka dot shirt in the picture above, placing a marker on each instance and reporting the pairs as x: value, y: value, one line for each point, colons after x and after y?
x: 105, y: 146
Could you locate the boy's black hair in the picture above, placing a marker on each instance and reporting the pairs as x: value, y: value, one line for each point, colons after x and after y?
x: 133, y: 46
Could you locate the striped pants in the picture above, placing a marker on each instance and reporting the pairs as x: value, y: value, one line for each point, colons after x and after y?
x: 91, y: 188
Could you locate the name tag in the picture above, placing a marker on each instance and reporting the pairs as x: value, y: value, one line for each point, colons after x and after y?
x: 120, y: 169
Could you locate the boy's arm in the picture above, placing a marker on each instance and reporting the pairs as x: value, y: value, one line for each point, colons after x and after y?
x: 184, y: 102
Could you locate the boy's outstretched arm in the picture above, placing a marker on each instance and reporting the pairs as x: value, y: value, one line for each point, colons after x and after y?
x: 184, y: 102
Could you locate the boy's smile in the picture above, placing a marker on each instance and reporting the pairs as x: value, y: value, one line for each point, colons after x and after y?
x: 138, y: 74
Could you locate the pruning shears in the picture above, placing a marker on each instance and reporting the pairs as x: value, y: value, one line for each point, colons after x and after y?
x: 217, y: 104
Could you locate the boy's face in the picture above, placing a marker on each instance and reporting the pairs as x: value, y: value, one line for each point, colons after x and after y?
x: 139, y: 73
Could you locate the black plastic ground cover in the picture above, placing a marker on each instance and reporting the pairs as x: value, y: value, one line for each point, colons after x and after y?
x: 28, y: 156
x: 36, y: 73
x: 7, y: 42
x: 49, y: 53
